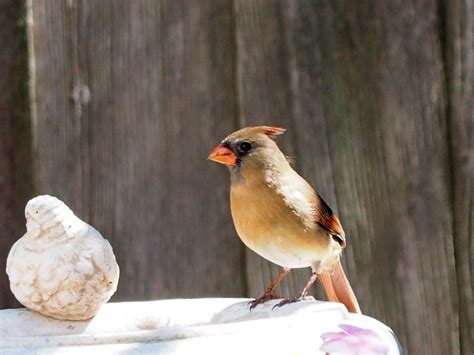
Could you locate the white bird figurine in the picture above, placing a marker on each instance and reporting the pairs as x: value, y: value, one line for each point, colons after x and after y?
x: 62, y: 267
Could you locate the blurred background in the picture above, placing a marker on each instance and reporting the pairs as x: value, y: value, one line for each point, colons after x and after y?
x: 114, y: 105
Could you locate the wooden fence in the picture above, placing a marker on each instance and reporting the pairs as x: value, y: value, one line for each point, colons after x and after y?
x: 113, y: 106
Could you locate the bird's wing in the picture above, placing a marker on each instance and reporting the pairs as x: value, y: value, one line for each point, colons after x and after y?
x: 327, y: 220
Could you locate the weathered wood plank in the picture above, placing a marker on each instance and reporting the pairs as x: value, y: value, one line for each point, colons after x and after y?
x: 460, y: 75
x: 361, y: 85
x: 264, y: 98
x: 16, y: 165
x: 131, y: 96
x: 387, y: 141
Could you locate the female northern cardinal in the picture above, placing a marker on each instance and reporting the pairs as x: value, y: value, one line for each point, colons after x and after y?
x: 279, y: 216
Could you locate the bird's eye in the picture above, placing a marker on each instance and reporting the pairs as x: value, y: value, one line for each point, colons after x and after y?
x: 245, y: 147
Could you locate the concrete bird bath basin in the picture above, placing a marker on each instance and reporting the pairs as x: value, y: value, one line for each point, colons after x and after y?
x: 196, y: 326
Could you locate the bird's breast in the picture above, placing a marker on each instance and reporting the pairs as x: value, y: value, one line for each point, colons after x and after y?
x: 266, y: 224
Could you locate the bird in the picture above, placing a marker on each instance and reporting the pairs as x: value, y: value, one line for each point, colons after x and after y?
x: 278, y: 215
x: 62, y: 267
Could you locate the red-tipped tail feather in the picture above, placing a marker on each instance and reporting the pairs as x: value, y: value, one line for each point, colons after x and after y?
x: 338, y: 289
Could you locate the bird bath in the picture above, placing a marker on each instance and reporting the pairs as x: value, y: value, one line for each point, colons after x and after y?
x: 207, y: 326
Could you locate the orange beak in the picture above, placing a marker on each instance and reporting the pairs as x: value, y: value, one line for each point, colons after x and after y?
x: 223, y: 155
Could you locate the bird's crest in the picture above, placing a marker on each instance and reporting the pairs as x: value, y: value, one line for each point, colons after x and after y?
x: 252, y: 132
x: 273, y: 132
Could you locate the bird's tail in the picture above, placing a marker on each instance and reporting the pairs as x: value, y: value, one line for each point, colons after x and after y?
x: 338, y: 289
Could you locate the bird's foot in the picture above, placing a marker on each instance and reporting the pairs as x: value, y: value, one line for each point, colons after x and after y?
x: 293, y: 300
x: 267, y: 296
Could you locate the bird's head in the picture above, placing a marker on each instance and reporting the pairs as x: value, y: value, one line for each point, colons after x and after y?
x: 249, y: 148
x: 45, y: 212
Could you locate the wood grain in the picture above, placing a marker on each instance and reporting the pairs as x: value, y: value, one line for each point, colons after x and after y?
x: 370, y: 133
x: 131, y: 97
x: 459, y: 17
x: 264, y: 99
x: 16, y: 170
x: 387, y: 137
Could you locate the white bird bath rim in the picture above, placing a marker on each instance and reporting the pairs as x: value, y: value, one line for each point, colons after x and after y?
x: 186, y: 325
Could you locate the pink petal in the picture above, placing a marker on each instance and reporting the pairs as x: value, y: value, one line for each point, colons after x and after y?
x: 332, y: 336
x: 337, y: 346
x: 354, y: 340
x: 351, y: 329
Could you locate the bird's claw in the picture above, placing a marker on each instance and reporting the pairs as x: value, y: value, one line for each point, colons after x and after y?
x: 287, y: 301
x: 267, y: 296
x: 293, y: 300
